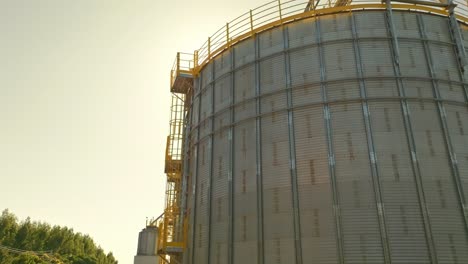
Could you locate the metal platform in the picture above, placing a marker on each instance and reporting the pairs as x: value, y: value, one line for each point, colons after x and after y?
x: 182, y: 73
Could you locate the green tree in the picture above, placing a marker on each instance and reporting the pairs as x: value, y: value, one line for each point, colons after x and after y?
x: 8, y: 228
x: 24, y: 235
x: 37, y: 238
x: 28, y: 259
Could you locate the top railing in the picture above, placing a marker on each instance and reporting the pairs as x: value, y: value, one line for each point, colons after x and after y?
x: 278, y: 12
x: 183, y: 64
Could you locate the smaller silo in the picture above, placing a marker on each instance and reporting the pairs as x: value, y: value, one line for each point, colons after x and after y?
x: 147, y: 242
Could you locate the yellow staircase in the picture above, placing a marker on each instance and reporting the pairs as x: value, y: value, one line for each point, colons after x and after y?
x: 172, y: 224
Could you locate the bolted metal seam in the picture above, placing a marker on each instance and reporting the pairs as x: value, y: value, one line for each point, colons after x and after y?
x: 210, y: 173
x: 292, y: 153
x: 258, y: 157
x: 371, y: 146
x: 443, y: 122
x: 194, y: 184
x: 410, y: 135
x: 331, y: 155
x: 231, y: 167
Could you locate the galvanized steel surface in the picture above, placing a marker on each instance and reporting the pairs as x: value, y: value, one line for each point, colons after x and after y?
x: 147, y: 240
x: 314, y: 142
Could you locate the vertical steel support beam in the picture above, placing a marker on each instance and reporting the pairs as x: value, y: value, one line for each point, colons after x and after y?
x: 461, y: 71
x: 409, y: 134
x: 194, y: 180
x: 331, y: 154
x: 231, y: 164
x: 292, y: 150
x: 186, y: 171
x: 258, y: 154
x: 187, y: 178
x: 443, y: 121
x: 210, y: 181
x: 370, y: 144
x: 456, y: 34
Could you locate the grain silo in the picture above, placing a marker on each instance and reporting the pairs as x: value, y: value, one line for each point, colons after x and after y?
x: 146, y: 250
x: 322, y: 132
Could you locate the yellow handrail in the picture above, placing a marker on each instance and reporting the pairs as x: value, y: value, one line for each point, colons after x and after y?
x: 277, y: 12
x: 183, y: 63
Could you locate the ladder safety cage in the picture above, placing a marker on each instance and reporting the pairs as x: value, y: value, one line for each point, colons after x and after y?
x: 172, y: 225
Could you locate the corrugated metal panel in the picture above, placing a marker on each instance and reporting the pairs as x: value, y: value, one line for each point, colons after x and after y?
x: 302, y: 33
x: 376, y: 58
x: 245, y: 194
x: 464, y: 34
x: 402, y: 209
x: 306, y: 95
x: 419, y: 89
x: 457, y: 119
x: 340, y: 91
x: 206, y: 111
x: 451, y: 91
x: 244, y: 91
x: 360, y: 228
x: 244, y: 83
x: 436, y: 28
x: 222, y: 64
x: 207, y: 75
x: 201, y: 221
x: 219, y: 199
x: 244, y: 110
x: 334, y: 27
x: 446, y: 67
x: 305, y: 68
x: 271, y: 42
x: 192, y: 173
x: 442, y: 200
x: 222, y: 92
x: 190, y: 202
x: 272, y: 74
x: 381, y: 88
x: 277, y: 194
x: 339, y: 61
x: 315, y: 196
x: 272, y: 104
x: 195, y: 107
x: 244, y: 52
x: 370, y: 24
x: 406, y: 24
x: 412, y: 59
x: 222, y: 122
x: 206, y: 107
x: 205, y: 127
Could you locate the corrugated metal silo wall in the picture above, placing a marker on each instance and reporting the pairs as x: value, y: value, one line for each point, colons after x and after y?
x: 310, y: 144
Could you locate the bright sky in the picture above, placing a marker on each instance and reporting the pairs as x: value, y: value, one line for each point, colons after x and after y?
x: 84, y: 107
